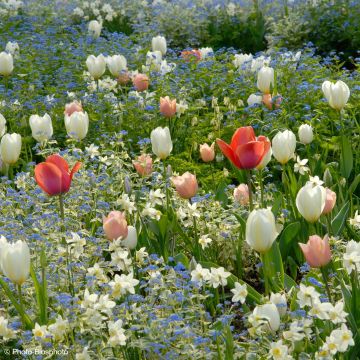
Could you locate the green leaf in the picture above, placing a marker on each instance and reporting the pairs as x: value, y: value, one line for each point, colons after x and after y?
x: 287, y: 237
x: 339, y: 221
x: 40, y: 298
x: 182, y: 258
x: 354, y: 184
x: 346, y: 162
x: 277, y: 204
x: 229, y: 344
x: 273, y: 267
x: 289, y: 282
x: 221, y: 194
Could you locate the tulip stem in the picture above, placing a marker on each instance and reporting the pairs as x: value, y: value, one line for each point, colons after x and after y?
x: 326, y: 282
x: 166, y: 187
x: 266, y: 279
x: 21, y: 302
x: 261, y: 188
x: 248, y: 178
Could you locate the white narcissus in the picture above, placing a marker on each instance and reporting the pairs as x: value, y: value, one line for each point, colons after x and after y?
x: 161, y: 142
x: 336, y: 94
x: 41, y: 127
x: 261, y: 230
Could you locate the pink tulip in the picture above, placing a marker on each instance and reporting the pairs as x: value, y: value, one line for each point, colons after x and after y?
x: 207, y: 152
x: 143, y: 164
x: 75, y: 106
x: 241, y: 194
x: 167, y: 107
x: 317, y: 251
x: 140, y: 82
x: 268, y: 101
x: 115, y: 225
x: 123, y: 78
x: 329, y: 202
x: 186, y: 185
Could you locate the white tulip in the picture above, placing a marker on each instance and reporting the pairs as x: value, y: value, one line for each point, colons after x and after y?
x: 12, y: 48
x: 265, y: 160
x: 261, y: 230
x: 241, y: 59
x: 254, y: 99
x: 41, y: 127
x: 116, y: 64
x: 267, y: 312
x: 77, y: 124
x: 306, y: 134
x: 310, y: 201
x: 283, y: 146
x: 96, y: 65
x: 10, y: 148
x: 2, y: 125
x: 95, y: 28
x: 161, y: 142
x: 158, y: 43
x: 265, y: 79
x: 130, y: 241
x: 280, y: 301
x: 336, y: 94
x: 6, y: 64
x: 15, y: 262
x: 3, y: 244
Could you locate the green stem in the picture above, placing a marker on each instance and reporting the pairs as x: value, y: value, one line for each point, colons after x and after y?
x: 166, y: 187
x: 261, y: 189
x: 326, y: 282
x: 266, y: 279
x: 248, y: 178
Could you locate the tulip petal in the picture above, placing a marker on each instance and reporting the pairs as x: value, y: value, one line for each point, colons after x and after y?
x: 49, y: 178
x: 250, y: 154
x: 241, y: 136
x: 59, y: 161
x: 75, y: 169
x: 228, y: 152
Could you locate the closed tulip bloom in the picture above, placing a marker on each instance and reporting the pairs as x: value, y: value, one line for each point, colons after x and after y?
x: 279, y: 300
x: 207, y: 152
x: 283, y: 146
x: 261, y: 230
x: 130, y: 241
x: 186, y: 185
x: 95, y: 28
x: 15, y: 262
x: 6, y: 64
x: 267, y: 157
x: 306, y: 134
x: 115, y: 225
x: 265, y: 80
x: 41, y: 127
x: 10, y: 148
x: 310, y: 201
x: 3, y: 244
x: 143, y: 165
x: 158, y: 43
x: 96, y: 65
x: 161, y: 142
x: 167, y: 106
x: 141, y: 82
x: 272, y: 102
x: 336, y: 94
x: 317, y: 251
x: 241, y: 194
x: 54, y: 176
x: 73, y: 107
x: 245, y: 150
x: 116, y: 64
x: 329, y: 202
x: 269, y: 313
x: 2, y: 125
x: 77, y: 124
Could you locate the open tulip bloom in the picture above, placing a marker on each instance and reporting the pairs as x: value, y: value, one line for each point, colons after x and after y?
x: 53, y: 175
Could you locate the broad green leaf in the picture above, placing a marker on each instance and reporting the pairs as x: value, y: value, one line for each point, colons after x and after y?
x: 340, y: 219
x: 287, y: 238
x: 346, y: 163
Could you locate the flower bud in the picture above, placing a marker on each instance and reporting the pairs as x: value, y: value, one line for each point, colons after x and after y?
x: 116, y: 64
x: 141, y: 82
x: 207, y: 152
x: 115, y: 225
x: 306, y: 134
x: 96, y: 65
x: 283, y: 146
x: 10, y: 148
x: 329, y: 202
x: 6, y: 64
x: 95, y: 28
x: 186, y: 185
x: 130, y: 241
x: 265, y: 80
x: 143, y: 165
x: 158, y: 43
x: 77, y: 124
x: 167, y: 107
x: 161, y: 142
x: 41, y: 127
x: 336, y: 94
x: 241, y: 194
x: 317, y: 251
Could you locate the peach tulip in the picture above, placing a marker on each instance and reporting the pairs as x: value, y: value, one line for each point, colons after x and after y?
x: 241, y: 194
x: 317, y: 251
x: 329, y: 202
x: 123, y: 78
x: 272, y: 102
x: 75, y: 106
x: 143, y: 165
x: 115, y: 225
x: 141, y: 82
x: 167, y: 106
x: 186, y: 185
x: 207, y: 152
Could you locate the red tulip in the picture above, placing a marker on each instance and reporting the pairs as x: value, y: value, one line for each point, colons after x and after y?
x: 53, y: 175
x: 245, y: 150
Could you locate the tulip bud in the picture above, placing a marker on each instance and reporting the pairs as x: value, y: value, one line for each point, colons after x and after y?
x: 261, y: 230
x: 279, y: 300
x: 141, y: 82
x: 241, y: 194
x: 310, y: 201
x: 41, y: 127
x: 317, y: 251
x: 115, y: 225
x: 10, y: 148
x: 327, y: 177
x: 336, y: 94
x: 130, y: 241
x: 6, y: 64
x: 306, y: 135
x: 12, y: 48
x: 15, y: 262
x: 96, y: 65
x: 254, y: 99
x: 116, y: 64
x: 95, y: 28
x: 2, y: 125
x: 207, y: 152
x: 167, y: 107
x: 127, y: 184
x: 283, y: 146
x: 161, y: 142
x: 77, y: 124
x: 329, y: 202
x: 3, y: 244
x: 265, y: 80
x: 73, y: 107
x: 158, y: 43
x: 272, y: 102
x: 269, y: 313
x: 186, y: 185
x: 143, y: 165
